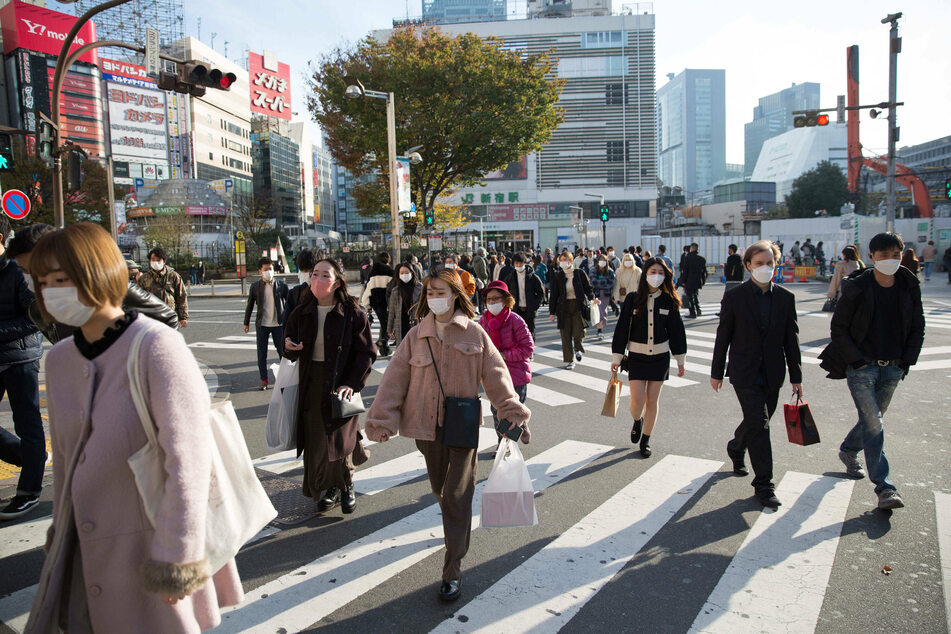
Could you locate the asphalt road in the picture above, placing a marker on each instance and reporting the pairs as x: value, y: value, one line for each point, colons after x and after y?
x: 672, y: 543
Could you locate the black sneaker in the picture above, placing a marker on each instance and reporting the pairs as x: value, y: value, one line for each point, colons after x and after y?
x: 330, y: 499
x: 20, y: 505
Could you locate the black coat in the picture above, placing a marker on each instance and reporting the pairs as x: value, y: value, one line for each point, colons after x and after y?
x: 20, y: 340
x: 558, y: 298
x: 534, y: 289
x: 633, y: 326
x: 294, y: 298
x: 279, y: 291
x: 695, y: 275
x: 733, y: 270
x: 852, y: 321
x: 749, y: 344
x: 346, y: 329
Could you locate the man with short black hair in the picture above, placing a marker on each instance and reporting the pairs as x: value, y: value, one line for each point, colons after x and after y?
x: 165, y: 283
x: 695, y: 277
x: 662, y: 254
x: 526, y: 289
x: 876, y: 335
x: 270, y: 294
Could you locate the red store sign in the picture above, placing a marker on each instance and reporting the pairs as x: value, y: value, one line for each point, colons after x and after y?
x: 270, y: 87
x: 38, y: 29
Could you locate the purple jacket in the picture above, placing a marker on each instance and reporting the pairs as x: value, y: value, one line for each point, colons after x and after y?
x: 517, y: 346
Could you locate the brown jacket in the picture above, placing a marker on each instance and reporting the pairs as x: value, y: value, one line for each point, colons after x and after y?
x: 349, y: 329
x: 168, y: 286
x: 408, y: 399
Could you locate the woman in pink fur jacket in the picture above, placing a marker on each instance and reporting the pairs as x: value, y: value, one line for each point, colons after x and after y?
x: 107, y: 568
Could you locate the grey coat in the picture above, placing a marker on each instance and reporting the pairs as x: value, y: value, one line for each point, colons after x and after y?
x: 394, y: 303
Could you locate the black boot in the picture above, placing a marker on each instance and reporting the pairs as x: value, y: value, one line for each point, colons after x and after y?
x: 348, y: 503
x: 330, y: 499
x: 737, y: 458
x: 645, y: 446
x: 636, y: 430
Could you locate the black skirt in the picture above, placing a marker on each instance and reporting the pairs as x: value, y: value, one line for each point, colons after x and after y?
x: 648, y: 367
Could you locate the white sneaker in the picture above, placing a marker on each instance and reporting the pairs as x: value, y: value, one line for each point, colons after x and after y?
x: 570, y: 366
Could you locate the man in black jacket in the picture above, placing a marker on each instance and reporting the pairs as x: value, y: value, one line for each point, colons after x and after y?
x: 527, y: 290
x: 270, y: 294
x: 759, y: 327
x: 694, y: 278
x: 877, y: 331
x: 374, y: 296
x: 20, y: 351
x: 305, y: 260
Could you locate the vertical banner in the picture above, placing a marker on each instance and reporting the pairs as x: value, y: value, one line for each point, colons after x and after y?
x: 403, y: 195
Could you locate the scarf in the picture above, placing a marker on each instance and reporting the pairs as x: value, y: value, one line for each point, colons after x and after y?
x: 495, y: 326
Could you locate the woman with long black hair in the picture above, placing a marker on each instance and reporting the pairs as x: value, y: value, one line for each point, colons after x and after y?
x: 402, y: 296
x: 649, y: 330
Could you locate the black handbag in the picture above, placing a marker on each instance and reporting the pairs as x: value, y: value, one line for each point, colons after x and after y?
x: 462, y: 416
x: 343, y: 408
x: 829, y: 306
x: 625, y: 364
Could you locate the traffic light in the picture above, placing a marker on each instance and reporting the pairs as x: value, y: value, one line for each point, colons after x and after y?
x: 810, y: 119
x: 605, y: 214
x: 194, y: 77
x: 6, y: 152
x: 74, y: 171
x: 947, y: 189
x: 44, y: 141
x: 429, y: 218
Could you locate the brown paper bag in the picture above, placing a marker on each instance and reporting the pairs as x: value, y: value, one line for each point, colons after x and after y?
x: 612, y: 400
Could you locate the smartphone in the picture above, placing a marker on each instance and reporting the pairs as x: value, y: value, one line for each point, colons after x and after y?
x: 510, y: 430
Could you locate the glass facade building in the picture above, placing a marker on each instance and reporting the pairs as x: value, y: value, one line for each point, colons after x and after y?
x: 277, y: 176
x: 757, y: 194
x: 773, y: 116
x: 458, y: 11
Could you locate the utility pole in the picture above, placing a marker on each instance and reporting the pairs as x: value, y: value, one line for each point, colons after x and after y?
x: 894, y: 48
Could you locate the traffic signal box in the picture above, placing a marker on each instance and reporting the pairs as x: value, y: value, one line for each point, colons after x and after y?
x: 605, y: 213
x: 194, y: 77
x: 810, y: 119
x: 429, y: 218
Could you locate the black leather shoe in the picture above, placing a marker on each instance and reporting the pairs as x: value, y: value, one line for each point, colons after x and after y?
x: 645, y: 446
x: 331, y: 499
x: 348, y: 503
x: 768, y: 499
x: 636, y: 431
x: 449, y: 590
x: 739, y: 466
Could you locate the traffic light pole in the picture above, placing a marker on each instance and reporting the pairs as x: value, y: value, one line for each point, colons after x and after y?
x: 894, y: 48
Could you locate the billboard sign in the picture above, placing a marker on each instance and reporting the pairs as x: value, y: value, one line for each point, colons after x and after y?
x: 270, y: 86
x: 137, y: 121
x: 34, y: 28
x: 403, y: 196
x: 125, y: 73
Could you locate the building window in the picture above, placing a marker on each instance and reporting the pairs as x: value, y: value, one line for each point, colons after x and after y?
x: 600, y: 66
x: 615, y: 178
x: 615, y: 151
x: 211, y: 156
x: 615, y: 94
x: 602, y: 39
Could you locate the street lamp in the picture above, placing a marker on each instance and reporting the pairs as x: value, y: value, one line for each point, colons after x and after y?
x: 355, y: 91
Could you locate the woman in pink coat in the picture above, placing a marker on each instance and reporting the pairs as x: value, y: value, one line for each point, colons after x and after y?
x: 107, y: 568
x: 511, y: 337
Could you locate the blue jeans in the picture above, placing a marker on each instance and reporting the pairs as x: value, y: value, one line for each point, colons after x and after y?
x: 26, y: 449
x: 872, y: 387
x: 928, y: 267
x: 276, y: 333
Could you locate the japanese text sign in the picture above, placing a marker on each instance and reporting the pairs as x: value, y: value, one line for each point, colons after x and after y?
x: 270, y: 86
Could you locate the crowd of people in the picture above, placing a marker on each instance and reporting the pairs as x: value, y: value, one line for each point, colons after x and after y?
x: 74, y: 287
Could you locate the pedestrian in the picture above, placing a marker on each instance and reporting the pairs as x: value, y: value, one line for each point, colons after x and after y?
x: 527, y: 290
x: 331, y: 340
x: 20, y: 350
x: 480, y: 268
x: 569, y: 304
x: 107, y: 568
x: 512, y: 338
x: 365, y: 266
x: 910, y: 262
x: 446, y: 354
x: 795, y: 254
x: 928, y: 255
x: 451, y: 262
x: 602, y: 283
x: 821, y: 258
x: 201, y: 272
x: 413, y: 261
x: 165, y: 283
x: 808, y: 252
x: 696, y: 277
x: 648, y: 332
x: 876, y: 335
x: 843, y: 268
x: 541, y: 270
x: 682, y: 267
x: 374, y: 296
x: 733, y: 269
x: 270, y: 295
x: 402, y: 296
x: 192, y: 274
x: 305, y: 260
x: 613, y: 260
x: 947, y: 262
x: 662, y: 254
x: 503, y: 269
x: 627, y: 279
x: 760, y: 328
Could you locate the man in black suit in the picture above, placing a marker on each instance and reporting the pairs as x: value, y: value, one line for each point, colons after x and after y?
x: 758, y: 325
x: 695, y: 276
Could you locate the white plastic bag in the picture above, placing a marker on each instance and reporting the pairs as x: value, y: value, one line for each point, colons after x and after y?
x: 594, y: 313
x: 508, y: 498
x: 281, y: 429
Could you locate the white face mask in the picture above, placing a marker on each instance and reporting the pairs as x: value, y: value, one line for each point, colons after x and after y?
x: 267, y: 275
x: 439, y: 305
x: 602, y: 264
x: 450, y: 265
x: 496, y: 308
x: 656, y: 281
x: 762, y: 274
x: 887, y: 267
x: 519, y: 269
x: 628, y: 263
x: 156, y: 266
x: 62, y: 302
x: 29, y: 282
x: 406, y: 277
x: 610, y: 254
x: 565, y: 265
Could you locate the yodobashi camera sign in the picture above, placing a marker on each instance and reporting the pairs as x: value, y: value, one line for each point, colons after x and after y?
x: 38, y: 29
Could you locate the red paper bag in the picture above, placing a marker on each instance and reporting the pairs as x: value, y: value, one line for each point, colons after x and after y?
x: 800, y: 425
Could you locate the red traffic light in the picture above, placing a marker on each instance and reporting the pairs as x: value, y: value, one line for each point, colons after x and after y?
x: 227, y: 80
x: 822, y: 119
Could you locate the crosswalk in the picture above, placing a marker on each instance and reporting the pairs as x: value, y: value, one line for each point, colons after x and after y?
x: 776, y: 579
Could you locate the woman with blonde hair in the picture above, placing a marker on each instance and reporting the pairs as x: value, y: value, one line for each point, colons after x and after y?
x: 445, y: 356
x: 108, y: 569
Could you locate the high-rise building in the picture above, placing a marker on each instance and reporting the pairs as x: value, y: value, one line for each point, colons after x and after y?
x: 773, y: 116
x: 567, y: 8
x: 350, y: 221
x: 691, y: 118
x: 456, y: 11
x: 323, y: 189
x: 298, y: 134
x: 785, y: 157
x: 277, y: 173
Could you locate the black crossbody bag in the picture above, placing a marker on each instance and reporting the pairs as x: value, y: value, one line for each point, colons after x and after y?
x: 342, y: 408
x: 625, y: 364
x: 462, y: 416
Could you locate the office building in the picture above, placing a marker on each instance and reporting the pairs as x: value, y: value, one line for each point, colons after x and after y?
x: 277, y: 174
x: 567, y: 8
x: 691, y: 129
x: 787, y: 156
x: 350, y: 221
x: 324, y: 217
x: 457, y: 11
x: 773, y: 116
x: 298, y: 134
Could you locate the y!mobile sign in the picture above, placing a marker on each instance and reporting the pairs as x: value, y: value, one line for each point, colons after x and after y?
x: 270, y: 85
x: 37, y: 29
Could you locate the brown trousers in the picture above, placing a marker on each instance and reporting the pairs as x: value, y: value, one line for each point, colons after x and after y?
x: 452, y: 476
x: 572, y: 330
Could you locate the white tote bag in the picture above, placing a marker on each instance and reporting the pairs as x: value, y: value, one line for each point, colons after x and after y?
x: 281, y: 429
x: 508, y: 498
x: 238, y: 506
x: 594, y: 313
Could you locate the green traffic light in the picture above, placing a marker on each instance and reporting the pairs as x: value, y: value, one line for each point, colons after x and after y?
x: 3, y: 162
x: 947, y: 189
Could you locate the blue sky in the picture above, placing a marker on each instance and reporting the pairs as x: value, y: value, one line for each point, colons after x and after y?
x: 764, y: 47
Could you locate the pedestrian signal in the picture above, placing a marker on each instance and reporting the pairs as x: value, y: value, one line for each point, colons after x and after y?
x: 605, y: 213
